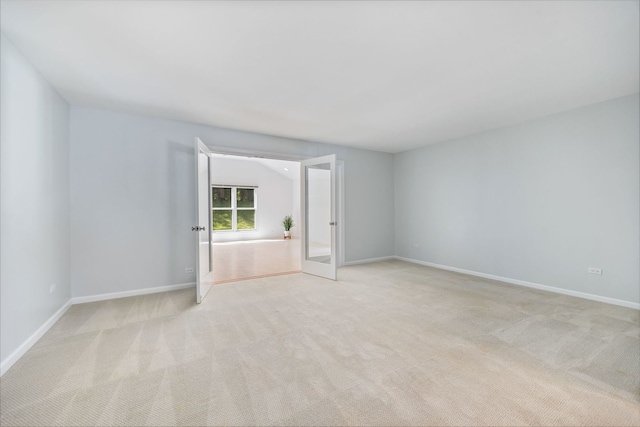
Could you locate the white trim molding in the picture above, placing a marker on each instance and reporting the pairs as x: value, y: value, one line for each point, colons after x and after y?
x: 370, y: 260
x: 25, y: 346
x: 29, y: 342
x: 133, y: 293
x: 578, y: 294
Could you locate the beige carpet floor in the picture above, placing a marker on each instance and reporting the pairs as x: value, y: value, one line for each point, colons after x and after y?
x: 390, y: 343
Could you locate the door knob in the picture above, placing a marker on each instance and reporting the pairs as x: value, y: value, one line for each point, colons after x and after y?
x: 197, y: 228
x: 332, y: 223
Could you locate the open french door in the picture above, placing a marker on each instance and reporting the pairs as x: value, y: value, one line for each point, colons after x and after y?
x: 204, y: 248
x: 318, y: 216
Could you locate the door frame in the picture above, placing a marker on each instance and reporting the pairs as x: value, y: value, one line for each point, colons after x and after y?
x: 340, y: 192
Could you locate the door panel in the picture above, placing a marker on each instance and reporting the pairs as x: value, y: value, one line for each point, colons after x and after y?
x: 318, y: 216
x: 203, y: 229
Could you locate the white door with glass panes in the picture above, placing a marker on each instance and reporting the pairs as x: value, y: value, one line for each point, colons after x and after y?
x: 203, y: 229
x: 318, y: 216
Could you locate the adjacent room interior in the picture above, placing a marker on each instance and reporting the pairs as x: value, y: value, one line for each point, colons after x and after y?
x: 474, y: 261
x: 251, y: 197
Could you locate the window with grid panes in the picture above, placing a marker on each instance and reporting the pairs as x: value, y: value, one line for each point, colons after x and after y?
x: 234, y: 208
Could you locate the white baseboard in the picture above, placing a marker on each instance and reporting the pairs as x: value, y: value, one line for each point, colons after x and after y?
x: 369, y: 260
x: 584, y: 295
x: 25, y: 346
x: 133, y: 293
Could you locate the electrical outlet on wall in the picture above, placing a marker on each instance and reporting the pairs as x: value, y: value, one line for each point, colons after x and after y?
x: 52, y: 288
x: 188, y: 270
x: 594, y: 270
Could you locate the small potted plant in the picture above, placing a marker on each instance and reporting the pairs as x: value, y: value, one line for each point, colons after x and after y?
x: 287, y: 223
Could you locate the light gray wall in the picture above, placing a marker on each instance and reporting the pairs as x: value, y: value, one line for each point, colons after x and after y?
x: 132, y: 197
x: 34, y: 219
x: 538, y: 202
x: 274, y: 196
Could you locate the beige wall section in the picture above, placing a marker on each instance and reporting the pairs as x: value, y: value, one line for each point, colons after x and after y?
x: 34, y: 222
x: 539, y: 202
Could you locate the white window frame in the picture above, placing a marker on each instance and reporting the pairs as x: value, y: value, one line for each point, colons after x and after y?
x: 234, y: 207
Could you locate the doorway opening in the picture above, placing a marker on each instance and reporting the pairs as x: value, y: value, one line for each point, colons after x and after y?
x: 236, y: 213
x: 251, y: 196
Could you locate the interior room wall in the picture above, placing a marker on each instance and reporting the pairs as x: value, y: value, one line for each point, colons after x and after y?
x: 274, y: 196
x: 538, y: 202
x: 34, y: 219
x: 133, y: 196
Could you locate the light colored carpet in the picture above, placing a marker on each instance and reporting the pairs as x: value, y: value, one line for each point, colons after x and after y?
x: 390, y: 343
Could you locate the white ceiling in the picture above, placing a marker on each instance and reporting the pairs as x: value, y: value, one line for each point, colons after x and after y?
x: 286, y: 168
x: 386, y: 76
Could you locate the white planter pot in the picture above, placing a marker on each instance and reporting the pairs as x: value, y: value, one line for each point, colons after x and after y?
x: 287, y: 233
